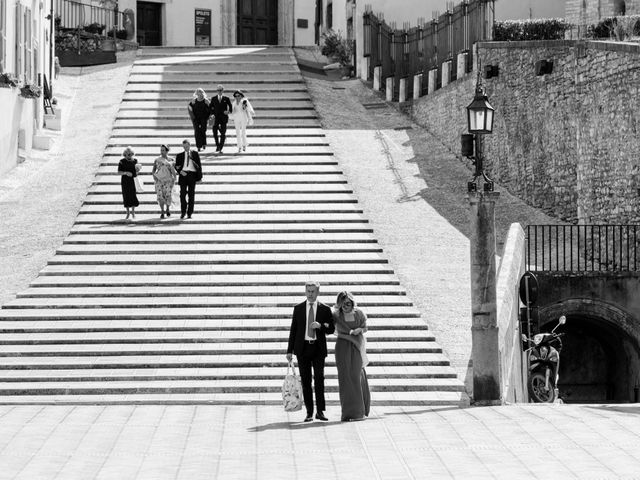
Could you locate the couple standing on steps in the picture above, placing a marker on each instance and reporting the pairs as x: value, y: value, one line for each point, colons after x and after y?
x: 216, y: 111
x: 312, y: 321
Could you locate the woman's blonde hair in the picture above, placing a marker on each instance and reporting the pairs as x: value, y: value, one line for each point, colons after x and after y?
x: 343, y: 297
x: 195, y: 94
x: 127, y: 150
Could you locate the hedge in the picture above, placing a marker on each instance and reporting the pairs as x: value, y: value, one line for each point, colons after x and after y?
x: 519, y: 30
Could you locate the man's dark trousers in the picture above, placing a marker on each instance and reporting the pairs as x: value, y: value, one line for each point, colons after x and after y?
x: 221, y: 127
x: 311, y: 358
x: 187, y: 187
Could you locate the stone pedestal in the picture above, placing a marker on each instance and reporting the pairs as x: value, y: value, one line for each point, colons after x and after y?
x: 364, y: 68
x: 446, y: 73
x: 377, y: 78
x: 433, y: 80
x: 461, y: 69
x: 389, y: 88
x: 484, y: 326
x: 417, y: 86
x: 402, y: 89
x: 53, y: 122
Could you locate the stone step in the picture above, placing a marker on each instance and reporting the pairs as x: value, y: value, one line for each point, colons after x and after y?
x: 184, y: 257
x: 254, y: 209
x: 141, y: 144
x: 215, y: 386
x: 80, y: 311
x: 328, y: 293
x: 264, y: 238
x: 374, y: 337
x: 186, y: 96
x: 424, y: 399
x: 188, y: 226
x: 97, y: 362
x: 253, y: 326
x: 238, y: 165
x: 231, y: 177
x: 239, y: 373
x: 218, y: 249
x: 220, y: 70
x: 160, y: 125
x: 261, y: 115
x: 205, y: 79
x: 180, y: 105
x: 369, y: 303
x: 242, y: 218
x: 188, y: 349
x: 176, y: 135
x: 316, y: 188
x: 216, y: 198
x: 247, y: 87
x: 126, y: 279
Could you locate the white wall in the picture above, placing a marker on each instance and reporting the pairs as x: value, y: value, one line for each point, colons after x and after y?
x: 20, y: 114
x: 305, y: 9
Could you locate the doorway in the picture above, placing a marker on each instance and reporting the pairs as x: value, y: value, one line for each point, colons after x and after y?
x: 257, y: 22
x: 148, y: 23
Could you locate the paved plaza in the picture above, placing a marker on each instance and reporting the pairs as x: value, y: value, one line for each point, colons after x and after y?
x: 244, y: 442
x: 411, y: 188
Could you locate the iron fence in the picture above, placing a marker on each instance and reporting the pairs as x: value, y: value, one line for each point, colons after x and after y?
x: 410, y: 51
x: 582, y: 248
x: 76, y: 15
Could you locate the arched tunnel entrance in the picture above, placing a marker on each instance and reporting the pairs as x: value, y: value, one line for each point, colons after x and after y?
x: 600, y: 359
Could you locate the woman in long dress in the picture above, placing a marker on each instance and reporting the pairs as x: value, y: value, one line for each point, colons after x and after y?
x: 199, y: 111
x: 351, y: 358
x: 128, y: 168
x: 242, y: 114
x: 164, y: 177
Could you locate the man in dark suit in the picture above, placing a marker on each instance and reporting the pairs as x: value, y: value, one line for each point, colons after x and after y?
x: 311, y: 322
x: 220, y: 110
x: 189, y: 171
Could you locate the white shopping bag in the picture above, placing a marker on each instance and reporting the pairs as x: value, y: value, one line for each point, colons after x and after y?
x: 292, y: 390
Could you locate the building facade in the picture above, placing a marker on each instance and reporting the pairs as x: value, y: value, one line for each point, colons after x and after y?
x: 587, y: 12
x: 222, y: 22
x: 26, y: 51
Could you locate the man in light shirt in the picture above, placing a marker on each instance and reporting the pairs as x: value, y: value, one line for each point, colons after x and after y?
x: 189, y: 171
x: 312, y: 321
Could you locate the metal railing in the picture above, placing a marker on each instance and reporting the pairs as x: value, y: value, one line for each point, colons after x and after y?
x: 582, y: 248
x: 410, y: 51
x: 76, y: 15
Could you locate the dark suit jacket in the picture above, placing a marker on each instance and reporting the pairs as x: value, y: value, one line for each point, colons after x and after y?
x: 195, y: 157
x: 218, y: 108
x: 299, y: 327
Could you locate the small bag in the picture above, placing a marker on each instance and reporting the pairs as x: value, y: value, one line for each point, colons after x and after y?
x: 139, y: 185
x: 292, y: 390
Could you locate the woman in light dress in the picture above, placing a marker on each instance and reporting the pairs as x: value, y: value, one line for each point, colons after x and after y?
x: 242, y: 115
x: 351, y: 358
x: 164, y: 176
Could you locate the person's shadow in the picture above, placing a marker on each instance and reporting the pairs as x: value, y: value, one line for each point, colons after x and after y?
x: 291, y: 426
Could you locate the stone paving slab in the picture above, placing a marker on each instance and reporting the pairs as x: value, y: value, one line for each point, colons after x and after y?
x: 263, y: 442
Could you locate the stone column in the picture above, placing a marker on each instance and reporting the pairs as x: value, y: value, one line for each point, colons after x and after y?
x: 432, y: 79
x: 389, y: 88
x: 377, y: 78
x: 484, y: 327
x: 446, y: 73
x: 417, y: 86
x: 402, y: 96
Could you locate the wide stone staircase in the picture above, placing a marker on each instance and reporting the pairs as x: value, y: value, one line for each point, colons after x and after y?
x: 198, y: 311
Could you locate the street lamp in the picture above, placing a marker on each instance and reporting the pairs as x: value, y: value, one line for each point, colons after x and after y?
x: 479, y: 122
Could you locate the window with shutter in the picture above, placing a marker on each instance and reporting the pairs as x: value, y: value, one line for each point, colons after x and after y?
x: 28, y: 46
x: 19, y: 62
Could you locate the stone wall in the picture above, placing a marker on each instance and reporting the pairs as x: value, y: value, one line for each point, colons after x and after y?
x: 585, y: 12
x: 565, y: 142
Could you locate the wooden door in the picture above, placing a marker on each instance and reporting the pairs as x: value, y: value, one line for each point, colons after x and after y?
x: 257, y: 22
x: 149, y: 23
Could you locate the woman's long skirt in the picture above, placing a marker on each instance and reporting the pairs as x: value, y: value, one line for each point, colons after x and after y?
x: 164, y: 191
x: 129, y: 197
x: 355, y: 398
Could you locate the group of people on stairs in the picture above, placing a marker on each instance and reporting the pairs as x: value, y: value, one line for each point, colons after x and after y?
x: 187, y: 167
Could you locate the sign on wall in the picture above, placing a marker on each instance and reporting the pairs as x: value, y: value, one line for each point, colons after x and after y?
x: 203, y: 27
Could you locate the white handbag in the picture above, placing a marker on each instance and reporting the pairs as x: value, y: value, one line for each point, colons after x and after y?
x: 139, y: 185
x: 292, y: 390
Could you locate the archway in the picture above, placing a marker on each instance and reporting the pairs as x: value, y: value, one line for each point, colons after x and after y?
x: 600, y: 361
x: 619, y: 7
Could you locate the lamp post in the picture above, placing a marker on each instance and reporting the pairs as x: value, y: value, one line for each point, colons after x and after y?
x: 484, y: 325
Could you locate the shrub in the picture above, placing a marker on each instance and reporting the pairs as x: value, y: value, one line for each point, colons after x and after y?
x: 337, y: 48
x: 96, y: 28
x: 120, y: 33
x: 519, y: 30
x: 615, y: 27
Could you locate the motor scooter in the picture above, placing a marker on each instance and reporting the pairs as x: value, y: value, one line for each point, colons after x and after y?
x: 543, y: 357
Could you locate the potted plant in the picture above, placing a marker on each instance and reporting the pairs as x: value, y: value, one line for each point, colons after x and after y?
x: 8, y: 80
x: 30, y: 91
x: 339, y: 49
